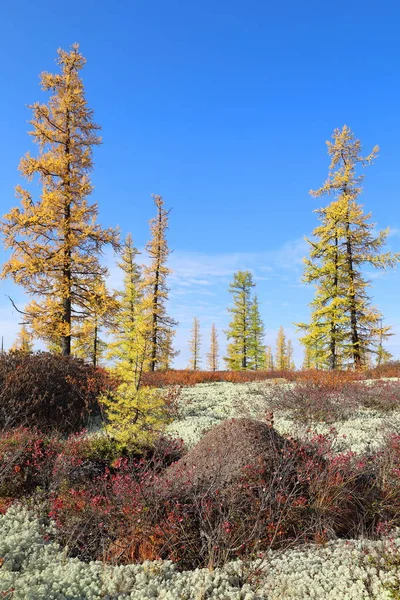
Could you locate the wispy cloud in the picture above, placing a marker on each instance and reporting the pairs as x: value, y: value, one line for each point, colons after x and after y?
x: 199, y: 266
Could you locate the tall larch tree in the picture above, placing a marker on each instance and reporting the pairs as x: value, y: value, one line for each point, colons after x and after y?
x: 24, y: 340
x: 55, y: 241
x: 256, y: 337
x: 314, y: 357
x: 168, y: 353
x: 307, y: 358
x: 382, y: 354
x: 99, y: 317
x: 135, y: 413
x: 130, y: 344
x: 213, y: 355
x: 160, y: 324
x: 195, y: 346
x: 342, y: 316
x: 326, y: 331
x: 289, y: 356
x: 269, y: 359
x: 239, y: 328
x: 281, y: 359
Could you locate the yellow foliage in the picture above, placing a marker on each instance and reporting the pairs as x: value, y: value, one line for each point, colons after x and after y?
x: 24, y: 340
x: 155, y: 293
x: 131, y: 343
x: 55, y: 241
x: 344, y: 329
x: 135, y: 417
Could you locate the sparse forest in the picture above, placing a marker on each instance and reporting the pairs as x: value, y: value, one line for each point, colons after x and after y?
x: 245, y: 475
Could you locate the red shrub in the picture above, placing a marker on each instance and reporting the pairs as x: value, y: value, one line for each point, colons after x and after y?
x: 26, y: 461
x: 387, y: 466
x: 341, y: 488
x: 285, y: 492
x: 86, y: 458
x: 49, y: 390
x: 312, y: 398
x: 389, y: 369
x: 188, y: 378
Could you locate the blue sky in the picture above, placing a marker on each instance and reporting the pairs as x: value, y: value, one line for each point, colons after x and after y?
x: 223, y: 108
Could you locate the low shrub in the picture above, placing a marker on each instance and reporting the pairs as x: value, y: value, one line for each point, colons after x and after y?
x: 35, y: 568
x: 387, y: 468
x: 389, y: 369
x: 289, y: 493
x: 188, y: 378
x: 342, y: 489
x: 312, y: 399
x: 27, y: 458
x: 51, y: 391
x: 98, y: 493
x: 329, y: 399
x: 84, y: 459
x: 383, y: 396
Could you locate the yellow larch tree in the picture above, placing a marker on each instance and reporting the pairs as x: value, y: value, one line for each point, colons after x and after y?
x: 160, y: 324
x: 213, y: 355
x: 281, y: 362
x: 269, y: 359
x: 314, y: 357
x: 344, y: 326
x: 289, y: 356
x: 168, y: 353
x: 382, y: 354
x: 99, y: 314
x: 238, y: 333
x: 135, y: 413
x: 131, y: 343
x: 23, y: 341
x: 256, y: 346
x: 55, y: 241
x: 195, y: 346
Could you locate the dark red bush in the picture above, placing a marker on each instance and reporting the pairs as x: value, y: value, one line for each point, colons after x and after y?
x: 219, y: 458
x: 27, y: 458
x: 241, y: 490
x: 48, y: 391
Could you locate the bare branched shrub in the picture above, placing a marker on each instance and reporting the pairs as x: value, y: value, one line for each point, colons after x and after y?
x: 306, y: 401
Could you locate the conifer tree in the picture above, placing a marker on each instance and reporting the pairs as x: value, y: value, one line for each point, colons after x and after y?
x: 307, y: 359
x: 289, y: 356
x: 99, y: 316
x: 382, y: 355
x: 130, y: 346
x: 314, y: 356
x: 213, y: 355
x: 136, y: 414
x: 343, y: 323
x: 281, y: 359
x: 239, y: 328
x: 167, y: 354
x: 55, y: 240
x: 269, y: 359
x: 160, y: 324
x: 24, y: 340
x: 256, y: 337
x: 195, y: 346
